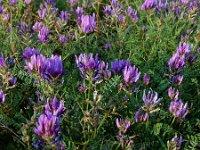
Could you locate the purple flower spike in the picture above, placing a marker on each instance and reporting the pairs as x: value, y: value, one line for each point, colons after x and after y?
x: 150, y: 99
x: 114, y: 3
x: 123, y: 125
x: 132, y: 13
x: 28, y: 52
x: 183, y: 49
x: 43, y: 35
x: 42, y: 12
x: 47, y: 126
x: 72, y: 2
x: 2, y: 97
x: 79, y: 11
x: 37, y: 26
x: 56, y: 107
x: 177, y: 79
x: 13, y: 2
x: 161, y: 5
x: 27, y: 2
x: 141, y: 116
x: 11, y: 80
x: 107, y: 10
x: 63, y: 16
x: 63, y: 39
x: 176, y: 62
x: 177, y: 141
x: 178, y: 109
x: 37, y: 63
x: 146, y: 79
x: 1, y: 8
x: 131, y: 74
x: 148, y: 4
x: 91, y: 68
x: 118, y: 66
x: 173, y: 93
x: 54, y: 67
x: 2, y: 62
x: 87, y: 23
x: 108, y: 46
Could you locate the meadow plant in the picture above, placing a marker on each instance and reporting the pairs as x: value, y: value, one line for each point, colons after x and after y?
x: 99, y: 74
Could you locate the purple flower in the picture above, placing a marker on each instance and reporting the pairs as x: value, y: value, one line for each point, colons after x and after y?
x: 1, y: 8
x: 28, y: 52
x: 107, y: 10
x: 178, y: 109
x: 118, y: 66
x: 183, y: 49
x: 177, y: 141
x: 114, y: 3
x: 148, y: 4
x: 2, y: 62
x: 107, y: 74
x: 91, y: 68
x: 82, y: 88
x: 108, y: 46
x: 161, y: 5
x: 72, y: 1
x: 63, y: 39
x: 177, y: 79
x: 11, y: 80
x: 63, y: 16
x: 87, y: 23
x: 190, y: 58
x: 176, y: 62
x: 121, y: 18
x: 193, y: 5
x: 37, y: 63
x: 56, y: 107
x: 131, y: 74
x: 6, y: 16
x: 42, y: 12
x: 123, y: 125
x: 23, y: 28
x: 173, y: 93
x: 2, y: 97
x: 27, y: 2
x: 184, y: 1
x: 37, y: 26
x: 132, y: 13
x: 13, y: 2
x: 43, y: 35
x: 146, y: 79
x: 141, y: 116
x: 54, y: 67
x: 150, y: 99
x: 79, y: 11
x: 47, y: 126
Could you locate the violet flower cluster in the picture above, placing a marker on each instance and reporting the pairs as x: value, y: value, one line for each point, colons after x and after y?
x: 115, y: 10
x: 175, y: 143
x: 151, y: 100
x: 48, y: 68
x: 87, y: 23
x: 91, y: 68
x: 2, y: 97
x: 179, y: 60
x: 131, y: 74
x: 178, y: 109
x: 123, y: 126
x: 48, y: 124
x: 7, y: 80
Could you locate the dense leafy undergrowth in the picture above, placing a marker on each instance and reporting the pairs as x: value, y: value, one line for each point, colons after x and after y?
x: 99, y: 74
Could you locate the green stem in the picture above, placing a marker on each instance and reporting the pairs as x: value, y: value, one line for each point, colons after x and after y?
x: 173, y: 121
